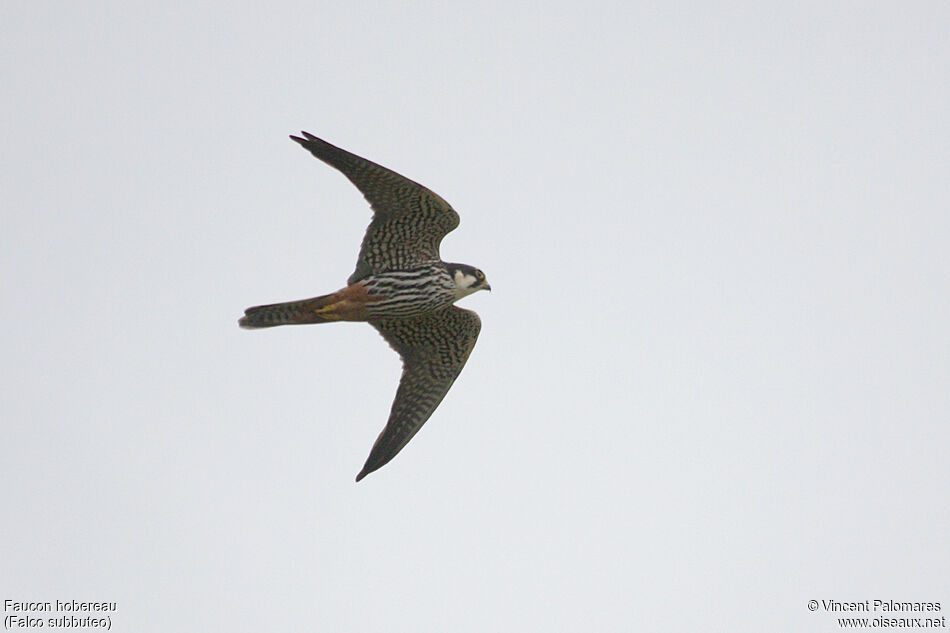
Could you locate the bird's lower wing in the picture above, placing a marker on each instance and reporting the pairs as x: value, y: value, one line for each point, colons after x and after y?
x: 434, y: 349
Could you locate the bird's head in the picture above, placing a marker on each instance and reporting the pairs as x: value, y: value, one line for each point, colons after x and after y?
x: 468, y: 279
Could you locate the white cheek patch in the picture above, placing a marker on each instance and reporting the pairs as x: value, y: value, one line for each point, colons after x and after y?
x: 463, y: 284
x: 462, y: 280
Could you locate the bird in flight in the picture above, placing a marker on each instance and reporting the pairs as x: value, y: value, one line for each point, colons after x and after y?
x: 402, y: 288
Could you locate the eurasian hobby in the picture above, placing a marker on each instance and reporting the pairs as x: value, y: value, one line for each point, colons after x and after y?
x: 402, y: 288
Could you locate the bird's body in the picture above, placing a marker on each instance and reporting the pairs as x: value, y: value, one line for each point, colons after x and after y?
x: 402, y: 288
x: 393, y: 294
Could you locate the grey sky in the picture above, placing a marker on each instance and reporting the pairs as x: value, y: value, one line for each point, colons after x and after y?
x: 712, y: 379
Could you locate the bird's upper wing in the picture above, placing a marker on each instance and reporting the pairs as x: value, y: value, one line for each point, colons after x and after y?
x: 409, y: 221
x: 434, y: 348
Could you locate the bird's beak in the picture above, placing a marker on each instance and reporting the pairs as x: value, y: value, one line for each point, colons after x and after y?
x: 487, y: 287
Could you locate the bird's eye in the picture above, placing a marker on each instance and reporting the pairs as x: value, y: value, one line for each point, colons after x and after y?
x: 479, y: 274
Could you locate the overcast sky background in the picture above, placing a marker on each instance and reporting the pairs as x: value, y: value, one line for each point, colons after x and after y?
x: 712, y: 379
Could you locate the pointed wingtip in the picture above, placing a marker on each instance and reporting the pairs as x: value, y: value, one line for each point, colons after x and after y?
x: 362, y: 474
x: 307, y: 137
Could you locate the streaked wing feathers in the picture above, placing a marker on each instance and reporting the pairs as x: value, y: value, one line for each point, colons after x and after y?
x: 409, y: 220
x: 434, y: 349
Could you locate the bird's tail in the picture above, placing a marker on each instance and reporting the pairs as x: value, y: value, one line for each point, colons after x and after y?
x: 315, y: 310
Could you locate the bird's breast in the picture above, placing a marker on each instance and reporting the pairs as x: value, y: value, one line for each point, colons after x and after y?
x: 402, y: 294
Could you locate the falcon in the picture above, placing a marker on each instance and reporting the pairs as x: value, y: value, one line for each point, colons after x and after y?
x: 402, y: 288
